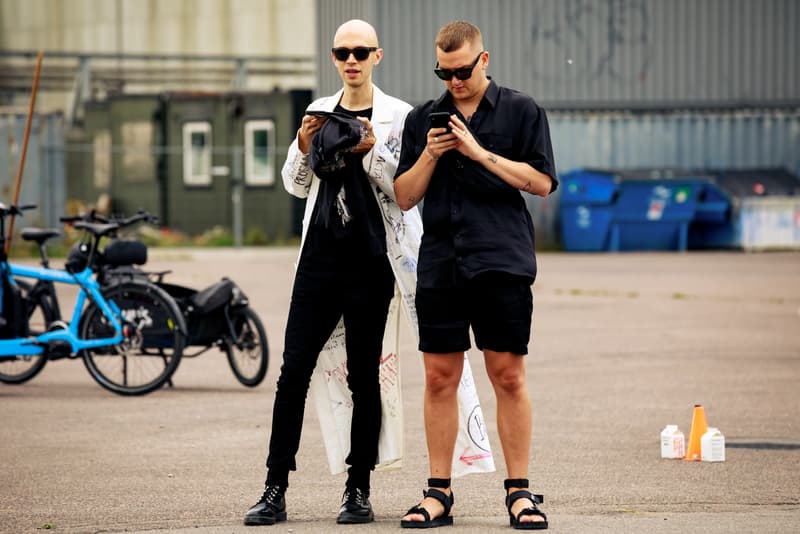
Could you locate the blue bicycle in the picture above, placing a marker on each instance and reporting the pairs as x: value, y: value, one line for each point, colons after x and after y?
x: 130, y: 335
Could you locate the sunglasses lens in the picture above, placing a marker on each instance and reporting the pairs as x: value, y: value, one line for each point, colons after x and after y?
x: 360, y: 53
x: 447, y: 74
x: 462, y: 74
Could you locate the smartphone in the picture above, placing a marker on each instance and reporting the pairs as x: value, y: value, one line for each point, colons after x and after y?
x: 440, y: 119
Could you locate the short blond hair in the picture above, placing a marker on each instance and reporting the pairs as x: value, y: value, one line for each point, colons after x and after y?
x: 453, y: 35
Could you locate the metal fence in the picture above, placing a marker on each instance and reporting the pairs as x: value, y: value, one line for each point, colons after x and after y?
x: 43, y: 181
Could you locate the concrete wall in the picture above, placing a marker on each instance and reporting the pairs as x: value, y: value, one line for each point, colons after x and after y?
x: 283, y: 27
x: 232, y: 27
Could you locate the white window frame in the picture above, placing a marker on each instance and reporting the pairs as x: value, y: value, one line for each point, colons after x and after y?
x: 189, y: 178
x: 250, y: 175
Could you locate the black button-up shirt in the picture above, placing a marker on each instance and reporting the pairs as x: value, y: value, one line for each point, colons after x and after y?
x: 473, y: 221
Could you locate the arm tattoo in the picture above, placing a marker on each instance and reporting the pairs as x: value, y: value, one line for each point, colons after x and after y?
x: 526, y: 187
x: 492, y: 158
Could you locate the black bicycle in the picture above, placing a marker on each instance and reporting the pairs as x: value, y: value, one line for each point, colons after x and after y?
x: 218, y: 316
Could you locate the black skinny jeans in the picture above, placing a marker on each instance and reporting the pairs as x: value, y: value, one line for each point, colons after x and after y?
x: 335, y: 278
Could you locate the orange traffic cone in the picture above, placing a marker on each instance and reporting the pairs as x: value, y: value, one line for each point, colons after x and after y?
x: 699, y: 427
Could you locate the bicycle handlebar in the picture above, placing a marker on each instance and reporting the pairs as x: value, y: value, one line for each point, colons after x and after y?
x: 12, y: 209
x: 121, y: 222
x: 140, y: 215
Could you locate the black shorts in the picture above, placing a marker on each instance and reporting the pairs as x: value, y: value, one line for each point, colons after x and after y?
x: 498, y: 307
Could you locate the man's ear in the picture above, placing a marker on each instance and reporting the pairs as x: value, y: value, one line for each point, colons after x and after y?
x: 378, y: 55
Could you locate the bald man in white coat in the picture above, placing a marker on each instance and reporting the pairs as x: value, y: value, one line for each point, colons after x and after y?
x: 345, y: 272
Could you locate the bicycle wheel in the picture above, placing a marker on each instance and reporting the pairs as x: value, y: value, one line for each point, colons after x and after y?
x: 154, y: 337
x: 40, y: 314
x: 248, y: 354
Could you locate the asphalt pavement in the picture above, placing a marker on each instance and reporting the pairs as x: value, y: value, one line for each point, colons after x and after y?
x: 623, y: 344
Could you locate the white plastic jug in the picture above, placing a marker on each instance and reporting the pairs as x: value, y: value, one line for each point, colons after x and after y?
x: 712, y: 446
x: 673, y: 444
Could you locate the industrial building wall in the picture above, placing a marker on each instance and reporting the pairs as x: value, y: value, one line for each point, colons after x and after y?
x: 282, y: 27
x: 199, y: 27
x: 627, y: 83
x: 593, y: 53
x: 688, y: 140
x: 683, y: 84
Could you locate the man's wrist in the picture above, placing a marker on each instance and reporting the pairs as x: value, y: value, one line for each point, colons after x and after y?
x: 430, y: 154
x: 302, y: 143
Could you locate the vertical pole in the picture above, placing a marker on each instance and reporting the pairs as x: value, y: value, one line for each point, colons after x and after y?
x: 25, y: 145
x: 237, y: 179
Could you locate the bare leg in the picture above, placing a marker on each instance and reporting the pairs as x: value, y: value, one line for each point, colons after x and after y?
x: 442, y: 376
x: 507, y: 373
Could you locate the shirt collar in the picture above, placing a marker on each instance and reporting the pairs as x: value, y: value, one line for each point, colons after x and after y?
x: 490, y: 97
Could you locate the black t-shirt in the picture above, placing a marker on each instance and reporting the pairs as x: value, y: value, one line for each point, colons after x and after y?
x: 356, y: 231
x: 473, y: 221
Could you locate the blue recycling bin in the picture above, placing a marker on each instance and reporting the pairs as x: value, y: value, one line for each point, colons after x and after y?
x: 713, y: 226
x: 654, y: 214
x: 585, y: 207
x: 603, y: 210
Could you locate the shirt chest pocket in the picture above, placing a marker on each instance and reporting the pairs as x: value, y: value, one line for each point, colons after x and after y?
x: 502, y: 145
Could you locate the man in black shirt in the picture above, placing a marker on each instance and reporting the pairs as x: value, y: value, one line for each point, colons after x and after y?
x: 476, y: 262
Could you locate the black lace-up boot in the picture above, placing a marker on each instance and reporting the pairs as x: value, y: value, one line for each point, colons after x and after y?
x: 270, y: 508
x: 355, y: 507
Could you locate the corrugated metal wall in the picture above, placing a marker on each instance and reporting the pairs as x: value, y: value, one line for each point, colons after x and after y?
x: 43, y: 182
x: 652, y: 60
x: 592, y: 53
x: 329, y: 16
x: 685, y: 140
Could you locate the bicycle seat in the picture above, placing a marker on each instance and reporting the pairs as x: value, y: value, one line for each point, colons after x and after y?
x: 212, y: 297
x: 38, y: 234
x: 96, y: 229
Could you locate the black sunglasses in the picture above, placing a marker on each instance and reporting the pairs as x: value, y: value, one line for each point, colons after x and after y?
x: 360, y: 52
x: 462, y: 74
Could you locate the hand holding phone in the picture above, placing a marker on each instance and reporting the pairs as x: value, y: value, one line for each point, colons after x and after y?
x: 440, y: 119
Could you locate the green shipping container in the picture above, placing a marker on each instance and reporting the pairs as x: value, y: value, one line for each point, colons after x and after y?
x: 199, y: 160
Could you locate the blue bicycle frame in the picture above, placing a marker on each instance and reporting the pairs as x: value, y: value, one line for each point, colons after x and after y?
x: 87, y: 283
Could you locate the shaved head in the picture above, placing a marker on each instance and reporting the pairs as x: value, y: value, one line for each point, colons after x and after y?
x: 353, y: 31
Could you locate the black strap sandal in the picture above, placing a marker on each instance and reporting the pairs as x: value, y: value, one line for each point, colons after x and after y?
x: 530, y: 510
x: 445, y: 519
